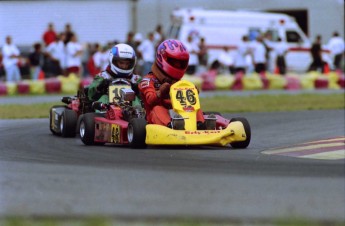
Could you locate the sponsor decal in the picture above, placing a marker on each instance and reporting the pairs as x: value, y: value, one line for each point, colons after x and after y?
x: 115, y: 134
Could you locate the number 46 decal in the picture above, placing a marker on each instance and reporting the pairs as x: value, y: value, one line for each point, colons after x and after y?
x: 188, y: 100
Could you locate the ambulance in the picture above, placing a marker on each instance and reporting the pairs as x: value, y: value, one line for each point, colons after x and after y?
x: 222, y: 28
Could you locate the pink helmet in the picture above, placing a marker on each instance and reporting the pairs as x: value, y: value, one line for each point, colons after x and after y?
x: 172, y: 58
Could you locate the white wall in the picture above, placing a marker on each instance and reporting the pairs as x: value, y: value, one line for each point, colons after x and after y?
x: 105, y: 20
x: 92, y: 21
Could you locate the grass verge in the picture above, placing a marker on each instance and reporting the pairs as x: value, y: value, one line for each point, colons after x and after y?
x: 257, y: 103
x: 102, y: 221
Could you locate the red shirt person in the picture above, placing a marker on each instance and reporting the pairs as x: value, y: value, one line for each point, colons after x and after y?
x: 49, y: 35
x: 170, y: 65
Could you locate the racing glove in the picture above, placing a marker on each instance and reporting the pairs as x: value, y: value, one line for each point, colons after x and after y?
x: 163, y: 91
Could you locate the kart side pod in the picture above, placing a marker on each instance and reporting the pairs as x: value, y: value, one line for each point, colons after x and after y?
x: 161, y: 135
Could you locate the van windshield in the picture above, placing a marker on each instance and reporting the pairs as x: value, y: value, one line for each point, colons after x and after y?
x: 293, y: 36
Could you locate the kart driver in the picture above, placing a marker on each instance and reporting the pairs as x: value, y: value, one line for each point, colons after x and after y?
x: 169, y: 67
x: 122, y: 60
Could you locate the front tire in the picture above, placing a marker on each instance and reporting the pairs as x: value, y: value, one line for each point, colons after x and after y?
x: 68, y: 123
x: 136, y: 133
x: 245, y: 143
x: 87, y: 128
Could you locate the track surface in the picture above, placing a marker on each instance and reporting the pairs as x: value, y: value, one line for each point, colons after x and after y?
x: 44, y: 175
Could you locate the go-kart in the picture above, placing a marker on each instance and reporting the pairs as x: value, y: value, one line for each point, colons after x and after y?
x: 109, y: 122
x: 185, y: 102
x: 63, y: 119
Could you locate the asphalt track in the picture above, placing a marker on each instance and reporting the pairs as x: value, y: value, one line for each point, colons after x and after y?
x: 44, y: 175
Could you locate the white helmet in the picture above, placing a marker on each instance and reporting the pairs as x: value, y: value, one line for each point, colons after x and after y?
x: 122, y: 52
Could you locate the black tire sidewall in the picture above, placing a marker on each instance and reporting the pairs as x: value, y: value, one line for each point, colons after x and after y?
x: 139, y: 132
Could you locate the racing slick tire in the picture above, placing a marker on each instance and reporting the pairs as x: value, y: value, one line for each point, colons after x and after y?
x: 245, y: 143
x: 50, y: 119
x: 87, y: 129
x: 68, y: 123
x: 136, y: 133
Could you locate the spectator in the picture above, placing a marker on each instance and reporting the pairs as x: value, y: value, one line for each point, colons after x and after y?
x: 259, y: 55
x: 147, y: 52
x: 158, y: 35
x: 337, y: 47
x: 130, y: 39
x: 68, y: 33
x: 316, y: 53
x: 74, y: 53
x: 203, y: 53
x: 281, y: 49
x: 11, y: 56
x: 240, y: 62
x: 138, y: 38
x: 49, y: 35
x: 56, y: 53
x: 226, y: 59
x: 36, y: 60
x: 268, y: 43
x: 193, y: 50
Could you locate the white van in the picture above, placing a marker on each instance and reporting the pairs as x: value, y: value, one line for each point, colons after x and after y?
x: 222, y: 28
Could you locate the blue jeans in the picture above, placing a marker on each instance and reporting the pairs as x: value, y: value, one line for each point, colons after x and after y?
x: 12, y: 73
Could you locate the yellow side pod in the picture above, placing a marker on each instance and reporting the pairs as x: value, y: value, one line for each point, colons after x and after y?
x: 161, y: 135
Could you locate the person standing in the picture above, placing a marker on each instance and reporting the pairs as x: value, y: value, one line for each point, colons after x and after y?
x: 57, y: 55
x: 68, y: 33
x: 337, y: 47
x: 74, y: 52
x: 147, y: 52
x: 49, y: 35
x: 240, y: 63
x: 11, y: 56
x: 193, y: 50
x: 226, y: 59
x: 203, y: 54
x: 259, y: 55
x: 130, y: 39
x: 281, y: 50
x: 36, y: 59
x: 316, y: 53
x: 158, y: 35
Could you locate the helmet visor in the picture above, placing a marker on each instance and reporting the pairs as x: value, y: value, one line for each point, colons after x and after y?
x: 177, y: 63
x: 123, y: 63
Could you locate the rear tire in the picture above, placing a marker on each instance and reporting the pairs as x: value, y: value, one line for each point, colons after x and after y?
x: 245, y: 143
x: 68, y: 123
x: 87, y: 128
x: 136, y: 133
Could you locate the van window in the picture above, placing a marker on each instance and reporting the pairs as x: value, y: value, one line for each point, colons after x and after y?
x: 293, y: 36
x: 174, y: 31
x: 274, y: 35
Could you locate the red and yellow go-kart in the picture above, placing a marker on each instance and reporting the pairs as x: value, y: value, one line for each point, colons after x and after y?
x: 185, y: 102
x: 124, y: 124
x: 109, y: 124
x: 63, y: 119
